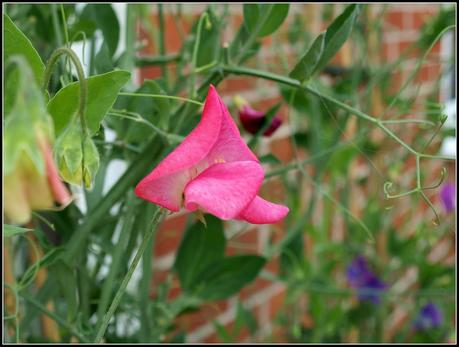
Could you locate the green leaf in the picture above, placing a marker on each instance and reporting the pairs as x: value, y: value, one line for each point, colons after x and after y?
x: 251, y: 14
x: 308, y: 63
x: 337, y: 33
x: 86, y: 26
x: 225, y: 277
x: 209, y: 46
x: 17, y: 43
x: 102, y: 60
x: 102, y: 93
x: 154, y: 110
x: 267, y: 18
x: 200, y: 247
x: 269, y: 159
x: 244, y: 318
x: 66, y: 278
x: 326, y: 45
x: 239, y: 41
x: 435, y: 25
x: 106, y: 20
x: 12, y: 230
x: 222, y: 333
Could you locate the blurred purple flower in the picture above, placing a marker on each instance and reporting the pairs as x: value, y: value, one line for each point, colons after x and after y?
x: 430, y: 316
x: 448, y: 197
x: 360, y: 277
x: 253, y: 120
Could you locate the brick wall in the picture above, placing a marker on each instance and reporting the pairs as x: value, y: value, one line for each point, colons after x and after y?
x: 401, y: 24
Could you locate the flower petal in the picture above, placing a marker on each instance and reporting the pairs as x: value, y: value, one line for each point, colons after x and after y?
x: 58, y: 188
x: 260, y: 211
x: 164, y: 185
x: 229, y: 145
x: 225, y: 189
x: 215, y: 139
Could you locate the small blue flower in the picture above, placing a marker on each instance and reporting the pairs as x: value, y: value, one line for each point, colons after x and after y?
x: 360, y: 277
x: 429, y: 317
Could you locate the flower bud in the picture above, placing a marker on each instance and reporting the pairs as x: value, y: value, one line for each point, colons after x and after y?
x: 77, y: 159
x: 31, y: 181
x: 253, y: 120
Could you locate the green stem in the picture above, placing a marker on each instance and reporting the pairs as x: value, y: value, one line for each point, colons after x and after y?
x: 194, y: 59
x: 162, y: 46
x: 149, y: 233
x: 161, y: 96
x: 294, y: 83
x: 167, y: 137
x: 83, y: 84
x: 157, y: 60
x: 54, y: 316
x: 64, y: 21
x: 119, y: 249
x: 67, y: 42
x: 415, y: 71
x: 138, y: 168
x: 407, y: 121
x: 254, y: 33
x: 205, y: 67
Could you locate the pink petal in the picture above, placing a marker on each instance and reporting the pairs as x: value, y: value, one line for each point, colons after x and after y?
x: 260, y: 211
x: 215, y: 139
x: 58, y: 188
x: 230, y: 146
x: 225, y: 189
x: 164, y: 185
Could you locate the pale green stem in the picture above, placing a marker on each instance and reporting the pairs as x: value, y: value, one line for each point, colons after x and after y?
x: 119, y: 294
x: 54, y: 316
x: 405, y: 121
x: 80, y: 72
x: 161, y: 96
x: 194, y: 60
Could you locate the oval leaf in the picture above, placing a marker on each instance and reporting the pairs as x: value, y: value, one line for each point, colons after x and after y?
x: 337, y: 33
x: 106, y: 20
x: 199, y: 248
x: 227, y: 276
x: 264, y: 18
x: 102, y: 93
x: 307, y: 65
x: 17, y: 43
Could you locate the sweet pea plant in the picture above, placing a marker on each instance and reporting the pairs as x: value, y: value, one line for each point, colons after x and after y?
x: 72, y: 246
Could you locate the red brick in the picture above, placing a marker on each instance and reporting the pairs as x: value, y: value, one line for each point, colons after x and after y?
x: 404, y: 44
x: 395, y: 20
x: 150, y: 72
x: 282, y: 149
x: 421, y: 17
x: 236, y: 84
x: 276, y: 304
x: 160, y: 277
x: 253, y: 288
x: 244, y: 242
x: 169, y: 235
x: 397, y: 78
x: 172, y: 38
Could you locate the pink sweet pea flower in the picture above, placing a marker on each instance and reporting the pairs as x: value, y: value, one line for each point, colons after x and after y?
x: 212, y: 170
